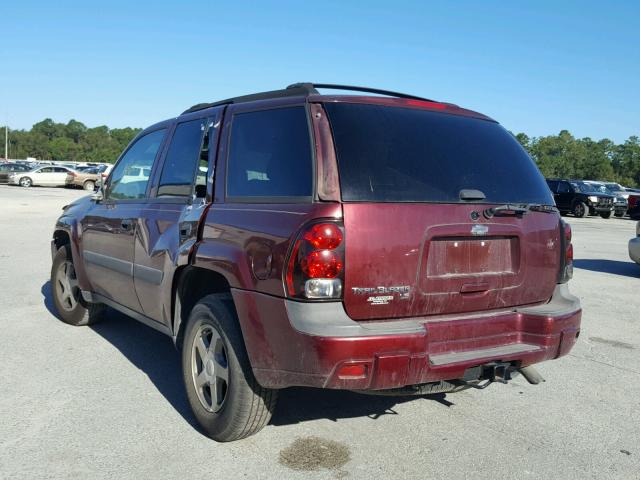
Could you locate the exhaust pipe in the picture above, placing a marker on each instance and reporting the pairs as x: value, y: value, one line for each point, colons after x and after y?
x: 532, y: 375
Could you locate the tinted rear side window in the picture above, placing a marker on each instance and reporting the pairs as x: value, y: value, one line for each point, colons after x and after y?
x: 392, y: 154
x: 270, y: 154
x: 182, y: 157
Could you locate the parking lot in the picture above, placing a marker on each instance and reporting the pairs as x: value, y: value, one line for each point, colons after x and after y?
x: 108, y: 402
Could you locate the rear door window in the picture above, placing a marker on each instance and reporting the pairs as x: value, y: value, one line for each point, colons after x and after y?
x: 270, y: 156
x: 182, y: 160
x: 394, y: 154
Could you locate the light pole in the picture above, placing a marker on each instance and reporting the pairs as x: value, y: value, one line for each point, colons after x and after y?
x: 6, y: 142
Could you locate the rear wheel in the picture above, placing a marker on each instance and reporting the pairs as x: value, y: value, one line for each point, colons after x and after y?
x: 224, y: 395
x: 605, y: 214
x: 580, y: 209
x: 67, y: 298
x: 89, y: 185
x: 619, y: 214
x: 26, y: 182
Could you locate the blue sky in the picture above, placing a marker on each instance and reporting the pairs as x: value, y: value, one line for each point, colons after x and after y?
x: 536, y: 67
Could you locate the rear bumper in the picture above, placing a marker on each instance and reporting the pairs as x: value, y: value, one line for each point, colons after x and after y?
x: 308, y: 344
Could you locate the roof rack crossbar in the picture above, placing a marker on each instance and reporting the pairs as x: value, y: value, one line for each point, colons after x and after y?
x: 301, y: 89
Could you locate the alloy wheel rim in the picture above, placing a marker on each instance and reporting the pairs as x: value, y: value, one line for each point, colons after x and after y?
x: 66, y: 286
x: 210, y: 368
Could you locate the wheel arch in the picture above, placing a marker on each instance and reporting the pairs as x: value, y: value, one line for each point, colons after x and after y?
x: 65, y: 233
x: 61, y: 237
x: 190, y: 284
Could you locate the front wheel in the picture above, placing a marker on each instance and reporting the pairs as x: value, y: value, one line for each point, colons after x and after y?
x: 67, y: 298
x: 605, y: 214
x: 580, y: 209
x: 26, y: 182
x: 224, y: 395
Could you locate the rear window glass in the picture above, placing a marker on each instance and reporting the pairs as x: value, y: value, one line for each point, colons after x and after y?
x: 270, y: 154
x: 392, y: 154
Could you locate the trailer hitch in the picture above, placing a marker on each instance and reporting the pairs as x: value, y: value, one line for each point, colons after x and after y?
x: 482, y: 376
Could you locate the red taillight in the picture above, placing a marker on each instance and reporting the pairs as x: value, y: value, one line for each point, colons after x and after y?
x: 324, y: 235
x: 566, y: 259
x: 315, y: 268
x: 321, y: 264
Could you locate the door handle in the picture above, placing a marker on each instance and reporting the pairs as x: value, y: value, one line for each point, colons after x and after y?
x: 185, y: 231
x: 126, y: 224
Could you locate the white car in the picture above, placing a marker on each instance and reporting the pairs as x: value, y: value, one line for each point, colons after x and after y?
x: 634, y: 246
x: 136, y: 174
x: 46, y: 175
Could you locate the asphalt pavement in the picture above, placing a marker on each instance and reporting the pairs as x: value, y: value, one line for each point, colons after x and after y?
x: 107, y: 401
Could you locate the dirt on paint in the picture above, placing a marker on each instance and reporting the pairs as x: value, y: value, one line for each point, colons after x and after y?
x: 314, y: 453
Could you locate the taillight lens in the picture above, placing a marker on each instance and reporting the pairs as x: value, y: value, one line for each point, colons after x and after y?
x: 567, y: 232
x: 321, y: 264
x: 324, y: 235
x: 566, y: 259
x: 315, y: 269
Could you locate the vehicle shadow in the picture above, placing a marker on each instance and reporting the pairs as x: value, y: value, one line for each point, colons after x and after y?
x: 298, y: 405
x: 154, y: 354
x: 617, y: 267
x: 148, y: 350
x: 47, y: 295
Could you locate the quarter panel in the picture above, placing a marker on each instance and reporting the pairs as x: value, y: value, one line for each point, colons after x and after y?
x: 249, y: 243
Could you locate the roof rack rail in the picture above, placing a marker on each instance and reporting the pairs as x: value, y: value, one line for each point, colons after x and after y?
x: 303, y: 89
x: 332, y: 86
x: 294, y: 91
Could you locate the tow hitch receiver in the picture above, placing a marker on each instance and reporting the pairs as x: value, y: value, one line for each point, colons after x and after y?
x: 484, y: 375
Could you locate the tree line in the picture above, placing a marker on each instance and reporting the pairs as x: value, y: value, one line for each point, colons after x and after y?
x: 560, y: 155
x: 565, y: 156
x: 70, y: 142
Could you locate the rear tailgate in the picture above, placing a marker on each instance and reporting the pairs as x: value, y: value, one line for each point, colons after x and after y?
x: 415, y: 187
x: 413, y: 260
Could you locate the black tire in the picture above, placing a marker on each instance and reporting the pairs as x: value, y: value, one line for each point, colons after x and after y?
x: 580, y: 209
x: 89, y: 185
x: 72, y: 310
x: 26, y: 182
x: 619, y: 214
x: 605, y: 214
x: 244, y: 407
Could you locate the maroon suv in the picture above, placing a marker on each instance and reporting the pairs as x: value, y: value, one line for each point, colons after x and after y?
x: 289, y: 238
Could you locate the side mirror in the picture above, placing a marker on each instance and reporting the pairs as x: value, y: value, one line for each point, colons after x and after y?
x: 97, y: 195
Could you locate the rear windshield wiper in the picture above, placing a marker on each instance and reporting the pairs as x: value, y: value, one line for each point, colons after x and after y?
x: 518, y: 210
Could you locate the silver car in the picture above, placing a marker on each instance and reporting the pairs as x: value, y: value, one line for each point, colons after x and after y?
x: 634, y: 246
x: 46, y: 175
